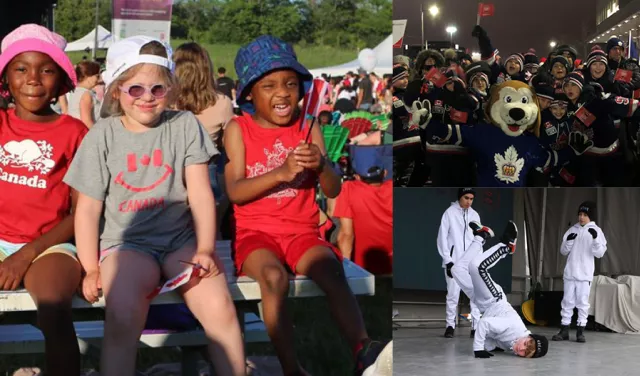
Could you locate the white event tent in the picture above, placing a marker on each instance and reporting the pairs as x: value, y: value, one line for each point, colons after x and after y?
x: 384, y: 63
x: 87, y: 42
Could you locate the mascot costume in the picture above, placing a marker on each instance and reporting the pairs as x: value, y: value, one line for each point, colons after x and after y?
x: 506, y: 147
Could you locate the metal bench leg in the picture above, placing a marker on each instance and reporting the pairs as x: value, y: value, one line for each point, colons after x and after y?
x: 190, y: 359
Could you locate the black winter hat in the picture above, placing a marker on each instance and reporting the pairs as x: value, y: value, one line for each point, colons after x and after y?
x: 614, y: 42
x: 588, y: 208
x: 531, y: 59
x: 543, y: 85
x: 596, y: 55
x: 399, y: 73
x: 464, y: 191
x: 575, y: 78
x: 562, y: 60
x: 542, y: 345
x: 479, y: 69
x: 566, y: 48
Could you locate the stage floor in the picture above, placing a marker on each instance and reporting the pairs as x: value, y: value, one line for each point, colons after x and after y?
x: 426, y: 352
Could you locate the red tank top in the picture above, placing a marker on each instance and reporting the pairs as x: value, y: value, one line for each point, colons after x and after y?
x: 288, y: 208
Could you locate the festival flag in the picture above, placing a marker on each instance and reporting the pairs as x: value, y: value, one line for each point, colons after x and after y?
x: 313, y: 100
x: 438, y: 78
x: 458, y: 116
x: 175, y: 282
x: 485, y: 10
x: 586, y: 117
x: 623, y: 75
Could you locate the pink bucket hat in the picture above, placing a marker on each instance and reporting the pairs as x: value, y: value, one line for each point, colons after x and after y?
x: 36, y: 38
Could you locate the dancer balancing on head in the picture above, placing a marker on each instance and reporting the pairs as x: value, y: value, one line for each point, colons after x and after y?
x: 500, y: 328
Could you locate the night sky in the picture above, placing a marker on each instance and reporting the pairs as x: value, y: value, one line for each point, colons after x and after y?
x: 516, y: 25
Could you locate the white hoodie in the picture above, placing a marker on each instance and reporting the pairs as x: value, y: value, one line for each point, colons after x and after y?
x: 455, y: 235
x: 581, y: 251
x: 500, y: 327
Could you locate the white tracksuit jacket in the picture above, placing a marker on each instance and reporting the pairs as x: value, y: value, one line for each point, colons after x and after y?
x: 581, y: 251
x: 455, y: 235
x: 500, y: 326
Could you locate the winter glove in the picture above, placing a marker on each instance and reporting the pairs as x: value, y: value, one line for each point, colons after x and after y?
x: 419, y: 114
x: 579, y: 142
x: 478, y: 32
x: 449, y: 266
x: 593, y: 232
x: 483, y: 354
x: 572, y: 236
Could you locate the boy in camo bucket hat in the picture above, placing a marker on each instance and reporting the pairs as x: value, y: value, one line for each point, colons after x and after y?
x: 264, y: 55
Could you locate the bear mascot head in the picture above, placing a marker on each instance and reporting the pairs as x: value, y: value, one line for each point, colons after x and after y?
x: 513, y: 106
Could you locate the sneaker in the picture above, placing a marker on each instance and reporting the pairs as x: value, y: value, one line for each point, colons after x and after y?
x: 509, y: 236
x: 481, y: 230
x: 448, y: 333
x: 367, y: 355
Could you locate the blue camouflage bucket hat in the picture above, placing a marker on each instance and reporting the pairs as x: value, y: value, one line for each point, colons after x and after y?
x: 261, y: 56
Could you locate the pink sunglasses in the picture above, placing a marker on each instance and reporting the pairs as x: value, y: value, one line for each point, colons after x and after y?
x: 137, y: 91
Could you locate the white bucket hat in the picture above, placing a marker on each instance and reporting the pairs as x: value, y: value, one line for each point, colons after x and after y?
x: 125, y: 54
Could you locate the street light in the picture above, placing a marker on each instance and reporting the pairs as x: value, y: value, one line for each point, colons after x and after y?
x: 553, y: 44
x: 433, y: 10
x: 451, y: 30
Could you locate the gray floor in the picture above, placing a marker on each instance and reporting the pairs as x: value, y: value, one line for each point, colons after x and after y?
x: 423, y: 351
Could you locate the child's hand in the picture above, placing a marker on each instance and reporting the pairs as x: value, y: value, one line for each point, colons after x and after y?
x: 208, y: 264
x: 308, y: 156
x: 289, y: 169
x: 91, y: 286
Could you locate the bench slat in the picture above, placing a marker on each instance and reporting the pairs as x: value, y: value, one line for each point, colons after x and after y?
x: 27, y: 339
x: 242, y: 288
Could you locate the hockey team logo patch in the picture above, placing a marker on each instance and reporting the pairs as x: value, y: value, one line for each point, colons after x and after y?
x: 508, y: 166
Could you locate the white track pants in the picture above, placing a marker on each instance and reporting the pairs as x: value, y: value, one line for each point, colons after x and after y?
x: 485, y: 291
x: 462, y: 281
x: 576, y: 295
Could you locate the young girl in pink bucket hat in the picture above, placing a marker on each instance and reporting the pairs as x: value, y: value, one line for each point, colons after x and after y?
x: 36, y: 215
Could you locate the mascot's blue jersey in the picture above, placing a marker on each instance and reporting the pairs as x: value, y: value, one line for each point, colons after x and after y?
x: 502, y: 161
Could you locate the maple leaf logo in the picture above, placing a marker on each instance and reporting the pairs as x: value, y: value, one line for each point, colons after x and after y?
x: 509, y: 166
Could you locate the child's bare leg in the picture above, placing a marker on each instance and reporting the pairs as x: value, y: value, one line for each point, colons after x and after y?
x: 52, y: 281
x: 128, y: 277
x: 265, y: 267
x: 321, y: 265
x: 210, y: 302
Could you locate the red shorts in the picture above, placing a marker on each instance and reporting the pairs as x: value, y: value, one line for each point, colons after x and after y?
x: 288, y: 248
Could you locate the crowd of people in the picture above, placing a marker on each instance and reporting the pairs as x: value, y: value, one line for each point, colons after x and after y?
x: 112, y: 175
x: 588, y: 124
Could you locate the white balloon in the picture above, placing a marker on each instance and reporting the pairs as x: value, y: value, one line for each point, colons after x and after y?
x: 367, y: 59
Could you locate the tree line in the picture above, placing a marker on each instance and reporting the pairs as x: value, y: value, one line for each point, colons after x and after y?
x: 352, y: 24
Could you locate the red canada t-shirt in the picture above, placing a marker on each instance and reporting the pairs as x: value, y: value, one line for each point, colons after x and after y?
x: 371, y: 210
x: 34, y: 157
x: 288, y: 208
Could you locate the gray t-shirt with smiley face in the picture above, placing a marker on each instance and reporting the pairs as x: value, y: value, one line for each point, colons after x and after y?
x: 141, y: 179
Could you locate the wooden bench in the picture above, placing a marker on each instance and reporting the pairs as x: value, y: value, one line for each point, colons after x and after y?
x: 24, y: 338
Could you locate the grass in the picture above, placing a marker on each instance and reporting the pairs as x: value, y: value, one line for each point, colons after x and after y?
x: 321, y: 349
x: 223, y: 55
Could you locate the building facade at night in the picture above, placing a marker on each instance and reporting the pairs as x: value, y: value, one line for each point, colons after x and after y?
x: 618, y: 18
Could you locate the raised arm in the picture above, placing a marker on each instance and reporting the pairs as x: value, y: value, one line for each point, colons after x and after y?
x: 567, y: 242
